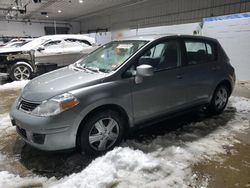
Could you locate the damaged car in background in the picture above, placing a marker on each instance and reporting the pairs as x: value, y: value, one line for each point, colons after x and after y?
x: 48, y: 51
x: 20, y: 65
x: 14, y: 43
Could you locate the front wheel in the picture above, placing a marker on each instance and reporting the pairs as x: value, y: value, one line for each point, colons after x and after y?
x: 101, y: 132
x: 219, y: 100
x: 20, y: 72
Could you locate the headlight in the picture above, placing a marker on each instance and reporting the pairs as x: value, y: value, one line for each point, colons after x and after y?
x: 55, y: 105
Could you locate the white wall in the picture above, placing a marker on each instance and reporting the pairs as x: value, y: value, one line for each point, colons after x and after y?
x: 173, y: 29
x: 234, y: 36
x: 101, y: 37
x: 105, y: 37
x: 32, y: 29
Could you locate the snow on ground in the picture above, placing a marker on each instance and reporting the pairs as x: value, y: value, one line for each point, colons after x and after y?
x: 165, y: 161
x: 16, y: 85
x: 8, y: 180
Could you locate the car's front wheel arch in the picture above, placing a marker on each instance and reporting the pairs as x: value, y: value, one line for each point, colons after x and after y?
x: 21, y: 63
x: 108, y: 107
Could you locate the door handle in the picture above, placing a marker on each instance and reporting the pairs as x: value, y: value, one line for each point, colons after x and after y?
x: 179, y: 76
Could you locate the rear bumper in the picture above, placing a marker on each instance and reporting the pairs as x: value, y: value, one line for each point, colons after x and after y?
x: 232, y: 79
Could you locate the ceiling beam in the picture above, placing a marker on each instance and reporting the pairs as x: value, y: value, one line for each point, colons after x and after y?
x: 109, y: 9
x: 40, y: 9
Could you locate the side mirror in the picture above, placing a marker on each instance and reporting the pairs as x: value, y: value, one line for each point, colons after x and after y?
x: 40, y: 48
x: 143, y: 71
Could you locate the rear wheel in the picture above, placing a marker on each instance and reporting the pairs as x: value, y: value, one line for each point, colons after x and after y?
x: 20, y: 72
x: 101, y: 132
x: 219, y: 100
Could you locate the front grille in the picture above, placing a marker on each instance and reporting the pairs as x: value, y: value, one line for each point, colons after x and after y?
x: 27, y: 106
x: 22, y: 132
x: 3, y: 58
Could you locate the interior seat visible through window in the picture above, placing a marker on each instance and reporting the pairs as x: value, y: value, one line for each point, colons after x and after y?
x: 169, y: 57
x: 161, y: 56
x: 199, y: 52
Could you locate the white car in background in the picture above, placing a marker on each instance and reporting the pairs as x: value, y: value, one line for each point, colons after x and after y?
x: 16, y: 43
x: 59, y: 50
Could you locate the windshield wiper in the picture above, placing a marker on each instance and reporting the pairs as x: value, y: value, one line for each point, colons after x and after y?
x: 93, y: 69
x: 77, y: 65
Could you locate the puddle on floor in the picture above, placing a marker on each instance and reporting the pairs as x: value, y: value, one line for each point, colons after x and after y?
x: 233, y: 171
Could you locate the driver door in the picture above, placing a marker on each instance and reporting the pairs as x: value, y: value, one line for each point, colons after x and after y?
x: 51, y: 54
x: 165, y: 90
x: 74, y: 50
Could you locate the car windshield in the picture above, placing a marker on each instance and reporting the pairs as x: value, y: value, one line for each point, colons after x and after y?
x: 35, y: 43
x: 110, y: 56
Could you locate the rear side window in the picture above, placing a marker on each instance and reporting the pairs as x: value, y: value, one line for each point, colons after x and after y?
x: 200, y: 52
x: 78, y: 42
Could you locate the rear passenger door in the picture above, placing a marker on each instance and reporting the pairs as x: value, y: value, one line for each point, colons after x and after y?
x: 199, y: 69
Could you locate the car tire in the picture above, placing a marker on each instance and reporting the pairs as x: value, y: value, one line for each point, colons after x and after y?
x: 101, y: 132
x: 219, y: 100
x: 20, y: 72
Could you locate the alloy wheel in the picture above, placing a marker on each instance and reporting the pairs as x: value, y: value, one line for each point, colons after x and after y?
x: 221, y: 98
x: 103, y: 134
x: 21, y: 73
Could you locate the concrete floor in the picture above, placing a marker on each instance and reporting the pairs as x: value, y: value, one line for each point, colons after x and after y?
x: 232, y: 171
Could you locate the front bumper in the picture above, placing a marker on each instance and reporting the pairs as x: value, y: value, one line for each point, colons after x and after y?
x: 46, y: 133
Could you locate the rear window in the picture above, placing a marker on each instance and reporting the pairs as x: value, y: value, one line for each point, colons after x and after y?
x: 200, y: 52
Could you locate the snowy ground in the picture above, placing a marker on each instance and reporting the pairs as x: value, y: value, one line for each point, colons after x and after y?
x: 164, y: 160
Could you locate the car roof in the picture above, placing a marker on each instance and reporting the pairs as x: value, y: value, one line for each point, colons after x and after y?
x: 159, y: 36
x: 70, y: 36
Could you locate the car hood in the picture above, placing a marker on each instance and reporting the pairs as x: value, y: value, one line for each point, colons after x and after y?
x: 10, y: 50
x: 58, y: 82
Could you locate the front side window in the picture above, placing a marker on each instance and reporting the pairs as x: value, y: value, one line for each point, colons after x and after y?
x: 199, y: 52
x: 52, y: 44
x: 162, y: 56
x: 110, y: 56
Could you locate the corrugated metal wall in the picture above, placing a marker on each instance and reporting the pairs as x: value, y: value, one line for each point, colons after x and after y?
x: 163, y: 12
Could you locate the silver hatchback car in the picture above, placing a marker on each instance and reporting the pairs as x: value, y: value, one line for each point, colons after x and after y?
x: 94, y: 102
